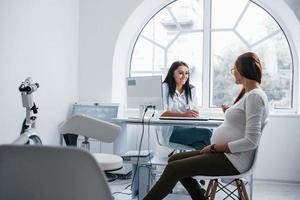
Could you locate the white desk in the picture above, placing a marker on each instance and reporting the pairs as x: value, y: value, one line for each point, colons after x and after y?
x: 158, y: 122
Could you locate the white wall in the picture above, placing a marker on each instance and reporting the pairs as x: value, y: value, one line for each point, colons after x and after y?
x: 296, y: 7
x: 38, y: 39
x: 279, y: 150
x: 100, y: 24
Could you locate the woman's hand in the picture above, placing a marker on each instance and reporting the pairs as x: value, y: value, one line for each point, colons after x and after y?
x: 224, y: 107
x: 206, y: 149
x: 191, y: 113
x: 216, y: 148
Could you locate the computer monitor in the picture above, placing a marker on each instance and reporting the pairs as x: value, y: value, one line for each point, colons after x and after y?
x: 144, y: 91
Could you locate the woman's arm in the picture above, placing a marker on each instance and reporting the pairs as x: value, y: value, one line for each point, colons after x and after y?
x: 216, y: 148
x: 254, y: 109
x: 168, y: 113
x: 190, y: 113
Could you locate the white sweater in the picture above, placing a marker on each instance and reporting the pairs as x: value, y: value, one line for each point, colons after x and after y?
x: 242, y: 128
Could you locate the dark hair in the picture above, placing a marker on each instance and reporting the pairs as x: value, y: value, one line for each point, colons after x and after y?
x: 172, y: 84
x: 249, y: 66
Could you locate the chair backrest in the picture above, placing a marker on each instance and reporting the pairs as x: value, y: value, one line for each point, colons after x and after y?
x: 40, y: 172
x: 90, y: 127
x: 251, y: 169
x: 163, y: 135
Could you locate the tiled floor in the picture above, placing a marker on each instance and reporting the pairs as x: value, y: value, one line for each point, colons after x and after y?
x: 263, y: 190
x: 276, y: 190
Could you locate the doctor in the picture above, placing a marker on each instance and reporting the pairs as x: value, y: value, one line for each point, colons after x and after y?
x: 180, y: 100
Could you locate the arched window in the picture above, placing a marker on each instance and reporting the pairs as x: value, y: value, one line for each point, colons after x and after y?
x: 209, y: 35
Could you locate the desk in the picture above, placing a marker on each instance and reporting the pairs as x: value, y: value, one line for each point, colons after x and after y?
x: 143, y: 177
x: 158, y: 122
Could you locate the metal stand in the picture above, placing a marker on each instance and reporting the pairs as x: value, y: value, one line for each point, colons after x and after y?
x: 28, y: 135
x: 86, y: 144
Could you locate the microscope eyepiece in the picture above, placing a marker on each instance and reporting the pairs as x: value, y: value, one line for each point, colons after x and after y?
x: 29, y: 88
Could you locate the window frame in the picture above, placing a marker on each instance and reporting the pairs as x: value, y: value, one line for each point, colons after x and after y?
x: 207, y: 75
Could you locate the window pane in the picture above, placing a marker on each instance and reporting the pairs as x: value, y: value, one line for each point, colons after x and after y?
x: 188, y: 48
x: 226, y: 46
x: 161, y: 29
x: 172, y: 34
x: 226, y: 13
x: 147, y: 57
x: 256, y: 31
x: 256, y: 24
x: 188, y: 14
x: 277, y: 65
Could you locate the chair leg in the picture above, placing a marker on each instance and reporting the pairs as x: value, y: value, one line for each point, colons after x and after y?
x: 239, y: 189
x: 214, y: 189
x: 209, y: 187
x: 243, y: 195
x: 213, y: 185
x: 244, y: 191
x: 251, y: 187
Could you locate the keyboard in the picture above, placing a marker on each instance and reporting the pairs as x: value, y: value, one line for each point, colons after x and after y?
x: 185, y: 118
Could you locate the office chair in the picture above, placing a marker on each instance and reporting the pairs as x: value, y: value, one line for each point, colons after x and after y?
x: 163, y: 139
x: 101, y: 130
x: 238, y: 181
x: 47, y: 173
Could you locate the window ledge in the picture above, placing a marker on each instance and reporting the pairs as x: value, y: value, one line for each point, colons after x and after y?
x: 292, y: 115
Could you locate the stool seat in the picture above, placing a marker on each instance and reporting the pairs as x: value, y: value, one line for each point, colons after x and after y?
x: 108, y: 162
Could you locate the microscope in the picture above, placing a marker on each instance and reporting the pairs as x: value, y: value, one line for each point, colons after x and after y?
x: 27, y: 135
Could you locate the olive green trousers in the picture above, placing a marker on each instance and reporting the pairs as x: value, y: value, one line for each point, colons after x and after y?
x: 184, y: 166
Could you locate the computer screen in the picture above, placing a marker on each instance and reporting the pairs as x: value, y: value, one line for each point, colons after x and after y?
x: 144, y: 91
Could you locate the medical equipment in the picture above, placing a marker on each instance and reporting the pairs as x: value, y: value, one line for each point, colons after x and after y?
x: 91, y: 127
x: 27, y: 132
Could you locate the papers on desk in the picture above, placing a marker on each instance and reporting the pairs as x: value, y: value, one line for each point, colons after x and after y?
x: 191, y: 118
x: 185, y: 118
